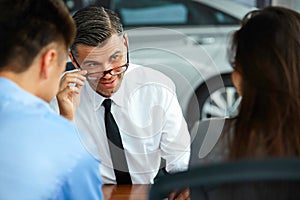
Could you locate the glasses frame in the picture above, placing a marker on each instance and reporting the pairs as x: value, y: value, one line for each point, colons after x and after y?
x: 106, y: 71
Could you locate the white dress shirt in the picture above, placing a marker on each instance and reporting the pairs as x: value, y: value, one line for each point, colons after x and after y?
x: 150, y: 121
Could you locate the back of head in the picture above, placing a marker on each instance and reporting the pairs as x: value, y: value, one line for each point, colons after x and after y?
x: 265, y: 51
x: 95, y: 25
x: 26, y: 26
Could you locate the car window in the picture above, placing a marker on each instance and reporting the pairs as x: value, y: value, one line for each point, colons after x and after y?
x: 205, y: 15
x: 158, y: 15
x: 169, y: 12
x: 74, y: 5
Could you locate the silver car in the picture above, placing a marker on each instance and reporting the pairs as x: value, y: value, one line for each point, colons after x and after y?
x: 187, y: 40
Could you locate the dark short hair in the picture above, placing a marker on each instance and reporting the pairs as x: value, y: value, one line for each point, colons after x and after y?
x: 94, y: 25
x: 26, y: 26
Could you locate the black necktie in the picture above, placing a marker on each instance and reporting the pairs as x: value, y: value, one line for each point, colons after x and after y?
x: 115, y: 146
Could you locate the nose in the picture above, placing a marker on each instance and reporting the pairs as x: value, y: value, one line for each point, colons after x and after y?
x: 108, y: 66
x: 107, y: 76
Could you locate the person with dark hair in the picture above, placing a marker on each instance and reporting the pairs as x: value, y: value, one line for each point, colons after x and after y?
x: 266, y: 73
x: 140, y: 101
x: 42, y: 156
x: 264, y: 56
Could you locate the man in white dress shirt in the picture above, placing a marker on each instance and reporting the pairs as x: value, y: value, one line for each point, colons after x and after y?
x: 144, y: 106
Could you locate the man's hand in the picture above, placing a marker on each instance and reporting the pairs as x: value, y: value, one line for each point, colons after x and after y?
x: 68, y: 96
x: 180, y: 195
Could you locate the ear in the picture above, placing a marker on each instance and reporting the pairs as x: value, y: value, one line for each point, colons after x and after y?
x: 237, y: 81
x: 48, y: 59
x: 73, y: 60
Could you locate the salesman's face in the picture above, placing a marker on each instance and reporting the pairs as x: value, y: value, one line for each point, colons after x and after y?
x: 111, y: 55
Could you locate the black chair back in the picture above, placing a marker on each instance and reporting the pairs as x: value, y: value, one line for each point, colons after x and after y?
x: 246, y: 179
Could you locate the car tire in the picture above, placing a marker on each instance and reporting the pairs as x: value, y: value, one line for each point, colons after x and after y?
x: 215, y: 98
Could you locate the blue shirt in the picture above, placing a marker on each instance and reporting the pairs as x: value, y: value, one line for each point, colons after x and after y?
x: 41, y: 155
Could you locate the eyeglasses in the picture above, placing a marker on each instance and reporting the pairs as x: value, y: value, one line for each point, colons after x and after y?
x: 114, y: 71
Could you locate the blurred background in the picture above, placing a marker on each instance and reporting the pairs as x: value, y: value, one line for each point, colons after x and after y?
x: 187, y: 40
x: 295, y: 4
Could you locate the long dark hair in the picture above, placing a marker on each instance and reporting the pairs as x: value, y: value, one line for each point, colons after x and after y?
x: 266, y: 52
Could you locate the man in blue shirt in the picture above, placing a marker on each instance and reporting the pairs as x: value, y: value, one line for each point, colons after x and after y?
x: 41, y: 155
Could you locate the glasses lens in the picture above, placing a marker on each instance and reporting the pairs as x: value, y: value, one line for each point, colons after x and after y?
x: 113, y: 72
x: 118, y: 70
x: 94, y: 76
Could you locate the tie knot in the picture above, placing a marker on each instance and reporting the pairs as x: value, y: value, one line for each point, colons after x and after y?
x: 107, y: 104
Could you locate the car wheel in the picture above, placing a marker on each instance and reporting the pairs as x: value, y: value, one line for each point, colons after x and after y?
x: 215, y: 98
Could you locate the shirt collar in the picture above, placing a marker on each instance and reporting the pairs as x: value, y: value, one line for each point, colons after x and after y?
x: 122, y: 95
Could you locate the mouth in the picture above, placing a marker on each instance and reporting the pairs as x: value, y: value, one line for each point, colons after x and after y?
x: 108, y: 84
